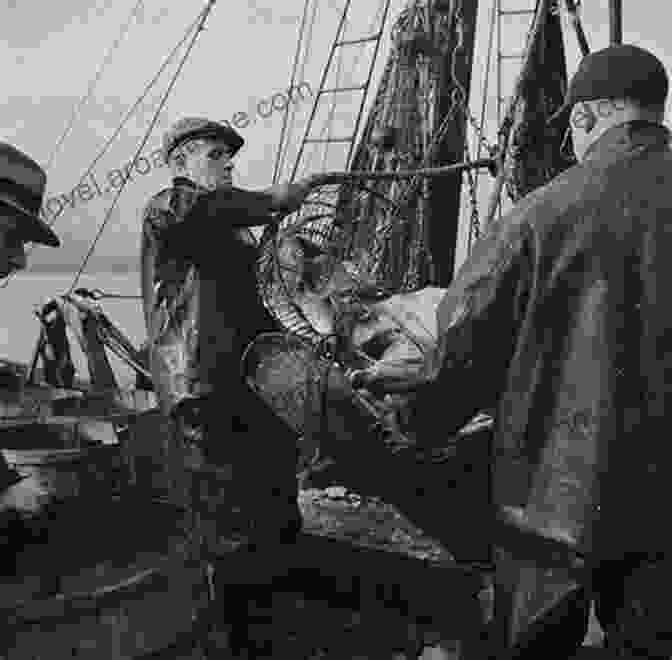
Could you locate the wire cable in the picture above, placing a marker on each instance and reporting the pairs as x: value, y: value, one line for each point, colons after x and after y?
x: 295, y: 65
x: 302, y: 67
x: 201, y: 23
x: 92, y: 85
x: 124, y: 121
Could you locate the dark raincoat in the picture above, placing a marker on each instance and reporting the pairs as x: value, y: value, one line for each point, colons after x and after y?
x: 559, y: 321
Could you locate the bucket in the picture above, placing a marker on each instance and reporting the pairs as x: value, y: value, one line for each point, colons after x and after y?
x: 124, y: 588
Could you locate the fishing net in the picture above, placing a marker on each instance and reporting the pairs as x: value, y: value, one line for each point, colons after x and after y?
x: 536, y: 151
x: 379, y: 229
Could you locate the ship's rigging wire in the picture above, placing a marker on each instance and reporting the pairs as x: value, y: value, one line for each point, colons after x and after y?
x: 276, y: 170
x: 474, y: 229
x: 332, y: 110
x: 203, y: 16
x: 486, y: 80
x: 284, y: 147
x: 327, y: 124
x: 104, y: 149
x: 131, y: 111
x: 272, y: 236
x: 92, y: 85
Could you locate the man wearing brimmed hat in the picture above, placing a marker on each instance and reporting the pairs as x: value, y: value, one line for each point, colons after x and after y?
x: 22, y: 184
x: 202, y: 308
x: 560, y: 321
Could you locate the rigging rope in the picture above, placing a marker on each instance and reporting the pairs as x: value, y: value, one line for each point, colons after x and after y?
x: 124, y: 121
x: 92, y: 85
x: 276, y: 170
x: 99, y: 294
x: 484, y: 100
x: 141, y: 98
x: 302, y: 69
x: 201, y: 23
x: 330, y: 119
x: 376, y: 18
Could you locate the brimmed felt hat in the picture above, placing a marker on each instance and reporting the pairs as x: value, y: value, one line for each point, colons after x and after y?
x: 8, y: 477
x: 616, y: 72
x: 22, y: 184
x: 193, y: 128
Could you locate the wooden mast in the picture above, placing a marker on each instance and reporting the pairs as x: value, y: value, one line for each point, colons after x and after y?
x: 444, y: 194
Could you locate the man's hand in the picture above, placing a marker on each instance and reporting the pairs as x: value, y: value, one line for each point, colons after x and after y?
x: 401, y: 336
x: 288, y: 197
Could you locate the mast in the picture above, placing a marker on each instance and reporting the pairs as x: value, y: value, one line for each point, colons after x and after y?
x: 444, y: 193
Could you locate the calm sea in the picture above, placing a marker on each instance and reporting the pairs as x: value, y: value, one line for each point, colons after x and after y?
x: 19, y: 329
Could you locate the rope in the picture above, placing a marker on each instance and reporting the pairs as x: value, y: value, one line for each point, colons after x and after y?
x: 484, y: 101
x: 141, y: 98
x: 285, y: 147
x: 572, y: 9
x: 97, y: 294
x: 204, y: 15
x: 92, y: 85
x: 326, y: 125
x: 330, y: 119
x: 124, y: 121
x: 454, y: 168
x: 295, y: 65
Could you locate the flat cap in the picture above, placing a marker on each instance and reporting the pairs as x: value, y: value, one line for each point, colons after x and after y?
x: 193, y: 128
x: 616, y: 72
x: 22, y: 184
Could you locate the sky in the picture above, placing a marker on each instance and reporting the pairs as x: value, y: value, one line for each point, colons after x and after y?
x: 52, y: 51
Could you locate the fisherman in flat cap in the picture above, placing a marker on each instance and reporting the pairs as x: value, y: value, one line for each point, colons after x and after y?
x: 22, y: 184
x: 202, y: 308
x: 560, y: 320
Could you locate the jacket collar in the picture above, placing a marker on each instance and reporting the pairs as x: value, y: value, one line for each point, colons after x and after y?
x: 626, y: 137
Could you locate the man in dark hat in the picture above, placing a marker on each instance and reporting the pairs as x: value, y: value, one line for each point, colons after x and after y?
x: 559, y: 321
x: 22, y: 184
x: 202, y: 308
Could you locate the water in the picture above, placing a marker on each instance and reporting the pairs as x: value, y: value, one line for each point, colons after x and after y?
x: 20, y: 328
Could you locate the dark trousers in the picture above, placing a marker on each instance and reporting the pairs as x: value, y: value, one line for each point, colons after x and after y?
x: 244, y: 434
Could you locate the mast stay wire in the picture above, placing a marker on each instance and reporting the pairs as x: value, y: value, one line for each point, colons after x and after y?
x: 486, y: 81
x: 332, y: 110
x: 205, y: 12
x: 77, y: 108
x: 129, y: 113
x: 326, y: 125
x: 124, y: 121
x: 276, y: 169
x: 302, y: 68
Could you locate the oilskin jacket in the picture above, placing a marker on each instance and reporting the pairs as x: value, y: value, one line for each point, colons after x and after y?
x: 170, y: 293
x: 214, y: 239
x: 198, y: 284
x: 560, y: 321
